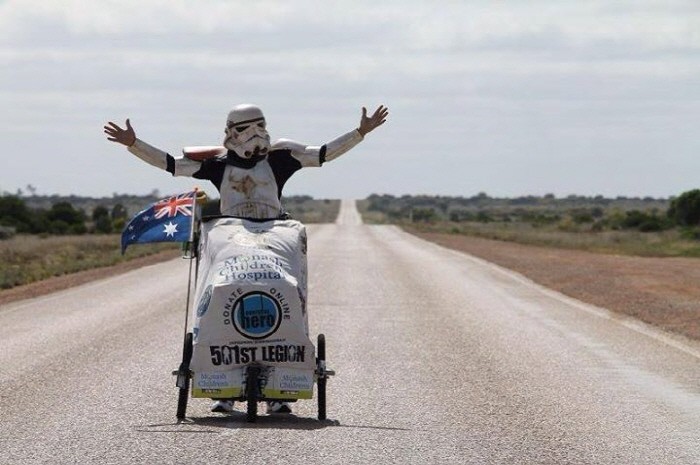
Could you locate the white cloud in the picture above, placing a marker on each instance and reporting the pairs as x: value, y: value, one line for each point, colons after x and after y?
x: 493, y: 79
x: 109, y: 17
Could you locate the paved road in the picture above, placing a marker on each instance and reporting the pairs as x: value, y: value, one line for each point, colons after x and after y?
x: 441, y: 358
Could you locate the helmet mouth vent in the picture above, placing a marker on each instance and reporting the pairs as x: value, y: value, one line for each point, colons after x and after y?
x: 258, y: 151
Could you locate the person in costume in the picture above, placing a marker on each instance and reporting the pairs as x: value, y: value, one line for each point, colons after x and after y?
x: 248, y: 171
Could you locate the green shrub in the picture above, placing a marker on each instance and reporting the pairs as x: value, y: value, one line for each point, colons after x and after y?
x: 580, y: 216
x: 119, y: 212
x: 685, y: 209
x: 78, y: 229
x: 118, y: 224
x: 7, y: 232
x: 483, y: 217
x: 14, y: 213
x: 425, y: 215
x: 692, y: 234
x: 103, y: 225
x: 58, y: 227
x: 99, y: 212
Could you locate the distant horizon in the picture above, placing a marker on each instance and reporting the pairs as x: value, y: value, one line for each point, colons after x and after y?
x: 159, y: 193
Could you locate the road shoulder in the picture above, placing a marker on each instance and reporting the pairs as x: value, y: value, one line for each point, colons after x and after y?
x: 659, y: 291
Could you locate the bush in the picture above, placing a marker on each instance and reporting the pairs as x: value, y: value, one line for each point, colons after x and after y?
x: 598, y: 226
x: 424, y: 215
x: 78, y: 228
x: 64, y: 211
x: 633, y: 219
x: 540, y: 219
x: 14, y: 213
x: 119, y: 212
x: 102, y: 222
x: 99, y: 212
x: 7, y: 232
x: 639, y: 220
x: 692, y: 234
x: 58, y: 227
x: 119, y: 224
x: 40, y: 222
x: 568, y: 225
x: 483, y: 217
x: 460, y: 214
x: 685, y: 209
x: 582, y: 215
x: 103, y: 225
x: 653, y: 224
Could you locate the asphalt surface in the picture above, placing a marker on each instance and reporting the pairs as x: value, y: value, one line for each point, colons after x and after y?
x: 441, y: 358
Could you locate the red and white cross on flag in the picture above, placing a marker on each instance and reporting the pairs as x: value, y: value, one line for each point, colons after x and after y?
x: 176, y: 205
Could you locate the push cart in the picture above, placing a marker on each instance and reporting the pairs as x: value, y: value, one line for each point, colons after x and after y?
x: 247, y: 340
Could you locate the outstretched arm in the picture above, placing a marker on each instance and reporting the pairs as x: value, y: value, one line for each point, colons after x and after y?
x: 149, y: 154
x: 308, y: 155
x: 342, y: 144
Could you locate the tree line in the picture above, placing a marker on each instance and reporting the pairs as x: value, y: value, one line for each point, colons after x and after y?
x: 598, y: 213
x: 56, y: 215
x: 60, y: 219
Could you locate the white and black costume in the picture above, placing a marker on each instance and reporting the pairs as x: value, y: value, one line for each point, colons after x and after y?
x: 248, y: 172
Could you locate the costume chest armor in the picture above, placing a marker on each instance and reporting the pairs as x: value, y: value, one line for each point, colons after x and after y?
x: 250, y: 193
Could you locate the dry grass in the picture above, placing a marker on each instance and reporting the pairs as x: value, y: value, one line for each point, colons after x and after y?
x: 26, y: 259
x: 669, y: 243
x: 309, y: 210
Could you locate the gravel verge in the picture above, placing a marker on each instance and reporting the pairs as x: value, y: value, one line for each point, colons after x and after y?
x: 664, y: 292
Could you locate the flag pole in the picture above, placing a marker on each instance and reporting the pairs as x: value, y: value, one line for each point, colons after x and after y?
x: 194, y: 237
x: 190, y: 243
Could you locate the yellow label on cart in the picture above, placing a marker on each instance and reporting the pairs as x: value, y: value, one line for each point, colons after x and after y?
x: 278, y: 394
x: 217, y: 393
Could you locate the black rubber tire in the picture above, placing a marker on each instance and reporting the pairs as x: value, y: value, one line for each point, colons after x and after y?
x: 184, y: 391
x: 251, y: 393
x: 321, y: 382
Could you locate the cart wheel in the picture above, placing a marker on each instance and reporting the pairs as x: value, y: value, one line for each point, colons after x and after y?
x: 251, y: 393
x: 183, y: 372
x: 322, y: 379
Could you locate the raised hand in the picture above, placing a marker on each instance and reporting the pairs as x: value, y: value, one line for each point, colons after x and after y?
x: 369, y: 124
x: 123, y: 136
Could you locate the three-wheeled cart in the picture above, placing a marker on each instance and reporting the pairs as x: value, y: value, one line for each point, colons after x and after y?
x: 248, y: 341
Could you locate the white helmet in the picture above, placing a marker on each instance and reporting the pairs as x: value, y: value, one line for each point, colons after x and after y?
x: 246, y: 133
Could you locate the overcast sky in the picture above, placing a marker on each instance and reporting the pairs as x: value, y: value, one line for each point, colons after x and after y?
x: 510, y: 98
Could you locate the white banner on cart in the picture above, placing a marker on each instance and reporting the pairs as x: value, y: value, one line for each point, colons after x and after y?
x: 276, y: 383
x: 250, y: 302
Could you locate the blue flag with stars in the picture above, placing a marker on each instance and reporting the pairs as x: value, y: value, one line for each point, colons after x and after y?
x: 168, y: 220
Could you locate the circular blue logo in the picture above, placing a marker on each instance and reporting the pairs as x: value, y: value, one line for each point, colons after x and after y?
x: 256, y: 315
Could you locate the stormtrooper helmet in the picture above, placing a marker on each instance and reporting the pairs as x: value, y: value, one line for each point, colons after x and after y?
x: 246, y: 133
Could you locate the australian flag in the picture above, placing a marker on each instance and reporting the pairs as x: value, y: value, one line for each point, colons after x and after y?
x: 168, y: 220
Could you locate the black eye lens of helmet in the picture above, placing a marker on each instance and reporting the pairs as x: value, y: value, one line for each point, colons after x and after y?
x: 241, y: 128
